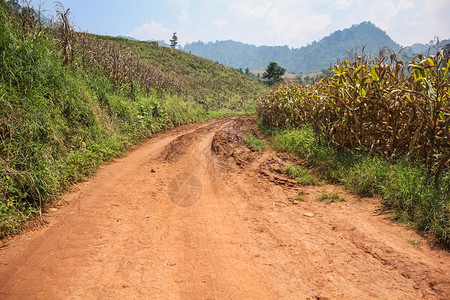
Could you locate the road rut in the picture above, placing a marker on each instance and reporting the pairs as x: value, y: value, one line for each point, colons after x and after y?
x: 196, y: 214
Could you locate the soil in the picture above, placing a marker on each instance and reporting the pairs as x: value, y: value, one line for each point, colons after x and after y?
x: 195, y: 213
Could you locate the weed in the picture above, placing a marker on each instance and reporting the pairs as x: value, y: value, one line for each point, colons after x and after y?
x: 402, y: 184
x: 255, y: 142
x: 330, y: 198
x: 65, y: 112
x: 416, y: 243
x: 369, y: 177
x: 301, y: 174
x: 300, y: 197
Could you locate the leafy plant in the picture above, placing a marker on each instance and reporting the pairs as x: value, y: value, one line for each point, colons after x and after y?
x: 330, y: 198
x: 374, y: 105
x: 70, y: 101
x: 402, y: 185
x: 255, y: 142
x: 301, y: 174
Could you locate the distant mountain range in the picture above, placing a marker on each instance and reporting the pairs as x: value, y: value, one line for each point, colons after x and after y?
x: 315, y: 57
x: 312, y: 58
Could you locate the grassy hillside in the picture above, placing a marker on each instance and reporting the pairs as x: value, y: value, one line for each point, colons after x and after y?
x: 70, y: 101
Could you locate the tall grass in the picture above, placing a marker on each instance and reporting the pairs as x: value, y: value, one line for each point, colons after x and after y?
x: 378, y: 125
x: 379, y: 105
x: 402, y: 185
x: 64, y: 111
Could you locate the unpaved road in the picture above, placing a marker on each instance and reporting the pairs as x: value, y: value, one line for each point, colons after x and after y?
x: 195, y: 214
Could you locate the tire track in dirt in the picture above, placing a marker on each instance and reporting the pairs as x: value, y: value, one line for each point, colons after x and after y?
x: 195, y: 214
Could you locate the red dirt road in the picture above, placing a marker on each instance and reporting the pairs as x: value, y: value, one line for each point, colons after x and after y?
x: 195, y: 214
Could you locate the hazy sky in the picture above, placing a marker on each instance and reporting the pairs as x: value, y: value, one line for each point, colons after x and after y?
x: 259, y: 22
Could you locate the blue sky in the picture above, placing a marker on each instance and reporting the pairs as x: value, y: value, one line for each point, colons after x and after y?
x: 260, y: 22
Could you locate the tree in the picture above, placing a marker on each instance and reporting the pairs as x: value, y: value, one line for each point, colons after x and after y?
x: 273, y: 73
x: 174, y: 40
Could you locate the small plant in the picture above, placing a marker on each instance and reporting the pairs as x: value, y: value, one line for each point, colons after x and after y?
x: 330, y: 198
x: 416, y: 243
x: 300, y: 197
x: 255, y: 142
x: 301, y: 174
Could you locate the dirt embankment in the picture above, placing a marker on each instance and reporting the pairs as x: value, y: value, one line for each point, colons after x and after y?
x: 195, y: 214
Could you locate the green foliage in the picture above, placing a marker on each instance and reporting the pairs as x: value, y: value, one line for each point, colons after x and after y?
x: 368, y: 177
x: 301, y: 174
x: 273, y: 73
x: 62, y: 115
x: 255, y: 142
x: 213, y: 86
x: 373, y: 105
x: 402, y: 185
x: 330, y: 197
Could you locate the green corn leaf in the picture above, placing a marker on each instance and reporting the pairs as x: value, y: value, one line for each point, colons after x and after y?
x: 374, y: 73
x: 429, y: 62
x: 408, y: 96
x: 363, y: 92
x: 446, y: 74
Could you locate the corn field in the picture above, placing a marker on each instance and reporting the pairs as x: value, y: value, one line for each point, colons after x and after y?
x: 379, y: 105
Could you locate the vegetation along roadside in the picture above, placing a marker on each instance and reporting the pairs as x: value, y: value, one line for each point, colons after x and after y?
x: 71, y: 100
x: 379, y: 126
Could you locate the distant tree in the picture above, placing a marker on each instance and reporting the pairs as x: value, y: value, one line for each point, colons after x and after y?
x: 273, y: 73
x: 174, y: 40
x: 247, y: 71
x: 308, y: 79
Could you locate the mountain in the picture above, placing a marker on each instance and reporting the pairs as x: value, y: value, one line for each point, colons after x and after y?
x: 127, y: 37
x: 432, y: 46
x: 314, y: 57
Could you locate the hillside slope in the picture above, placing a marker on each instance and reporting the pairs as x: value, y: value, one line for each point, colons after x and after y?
x: 314, y: 57
x: 70, y: 101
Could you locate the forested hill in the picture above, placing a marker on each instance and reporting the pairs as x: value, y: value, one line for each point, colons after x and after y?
x: 314, y: 57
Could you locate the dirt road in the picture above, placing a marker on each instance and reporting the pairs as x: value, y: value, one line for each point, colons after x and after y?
x: 195, y: 214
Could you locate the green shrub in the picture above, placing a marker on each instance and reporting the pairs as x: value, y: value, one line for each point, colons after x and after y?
x: 301, y: 174
x: 255, y: 142
x: 58, y: 122
x: 403, y: 186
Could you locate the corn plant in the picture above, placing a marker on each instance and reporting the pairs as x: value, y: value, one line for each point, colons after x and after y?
x: 379, y: 105
x: 64, y: 33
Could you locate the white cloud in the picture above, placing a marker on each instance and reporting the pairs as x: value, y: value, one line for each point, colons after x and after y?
x: 219, y: 22
x: 287, y: 26
x: 406, y: 5
x: 177, y: 2
x: 343, y: 4
x: 423, y: 24
x: 151, y: 31
x: 184, y: 17
x: 253, y: 11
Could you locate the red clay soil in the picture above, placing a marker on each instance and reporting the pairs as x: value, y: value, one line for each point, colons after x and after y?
x: 196, y: 214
